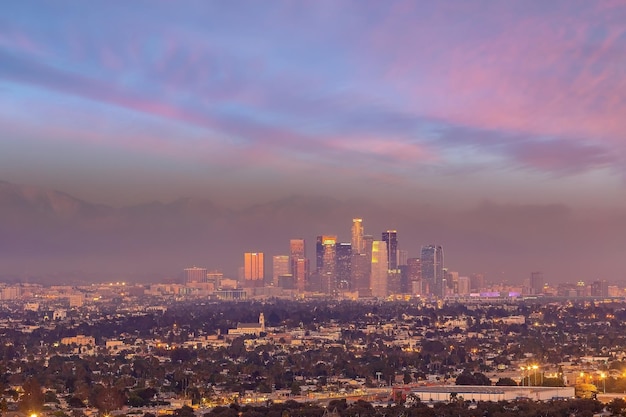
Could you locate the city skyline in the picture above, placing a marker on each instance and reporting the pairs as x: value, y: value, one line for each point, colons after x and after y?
x: 137, y: 140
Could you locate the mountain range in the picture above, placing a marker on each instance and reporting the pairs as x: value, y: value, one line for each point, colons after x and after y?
x: 51, y: 236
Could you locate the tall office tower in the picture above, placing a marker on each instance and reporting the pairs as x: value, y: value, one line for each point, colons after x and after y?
x: 464, y: 285
x: 414, y: 276
x: 357, y: 236
x: 327, y: 263
x: 378, y: 280
x: 344, y: 260
x: 301, y: 274
x: 536, y: 283
x: 390, y: 237
x: 477, y: 282
x: 253, y: 269
x: 297, y: 250
x: 299, y: 264
x: 194, y: 274
x: 581, y: 289
x: 280, y: 266
x: 360, y: 270
x: 403, y: 256
x: 215, y: 278
x: 319, y: 254
x: 431, y: 261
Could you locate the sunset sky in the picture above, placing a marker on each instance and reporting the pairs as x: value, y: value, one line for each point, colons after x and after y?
x: 513, y: 112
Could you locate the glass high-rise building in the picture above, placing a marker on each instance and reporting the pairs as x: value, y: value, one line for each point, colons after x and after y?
x: 298, y: 264
x: 390, y: 237
x: 357, y: 236
x: 326, y: 258
x: 344, y: 263
x: 379, y: 274
x: 431, y: 263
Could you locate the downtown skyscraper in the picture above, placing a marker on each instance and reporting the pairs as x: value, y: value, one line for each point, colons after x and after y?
x: 390, y: 237
x: 379, y: 269
x: 431, y: 262
x: 344, y: 266
x: 326, y: 262
x: 298, y: 264
x: 357, y: 236
x: 254, y: 269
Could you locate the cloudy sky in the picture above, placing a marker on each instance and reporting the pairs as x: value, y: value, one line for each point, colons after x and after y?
x: 485, y: 118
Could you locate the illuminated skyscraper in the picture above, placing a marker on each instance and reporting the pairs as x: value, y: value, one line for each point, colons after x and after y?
x: 432, y: 265
x: 379, y: 274
x: 301, y: 274
x: 280, y: 266
x: 344, y: 260
x: 390, y: 237
x: 253, y: 269
x: 299, y: 264
x: 357, y: 236
x: 297, y: 250
x: 195, y: 274
x: 326, y: 257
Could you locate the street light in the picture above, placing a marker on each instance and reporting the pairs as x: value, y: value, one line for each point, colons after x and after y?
x: 535, y: 373
x: 603, y: 377
x: 523, y: 369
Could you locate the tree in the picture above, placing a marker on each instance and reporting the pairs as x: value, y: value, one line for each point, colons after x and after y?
x: 506, y: 382
x: 184, y: 411
x: 407, y: 377
x: 617, y: 407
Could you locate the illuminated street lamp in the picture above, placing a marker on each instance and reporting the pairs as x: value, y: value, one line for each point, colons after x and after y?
x: 603, y: 377
x: 535, y: 367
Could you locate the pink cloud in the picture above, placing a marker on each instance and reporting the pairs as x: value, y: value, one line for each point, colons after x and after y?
x: 541, y: 73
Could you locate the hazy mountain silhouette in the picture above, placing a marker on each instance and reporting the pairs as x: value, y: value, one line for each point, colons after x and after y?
x: 46, y: 234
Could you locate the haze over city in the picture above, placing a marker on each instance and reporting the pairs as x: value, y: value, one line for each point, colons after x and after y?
x: 138, y: 139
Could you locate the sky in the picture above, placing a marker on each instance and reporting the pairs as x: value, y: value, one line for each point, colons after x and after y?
x: 497, y: 127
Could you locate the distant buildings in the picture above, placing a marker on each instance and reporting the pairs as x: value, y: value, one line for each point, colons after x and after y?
x: 357, y: 269
x: 194, y: 274
x: 536, y: 283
